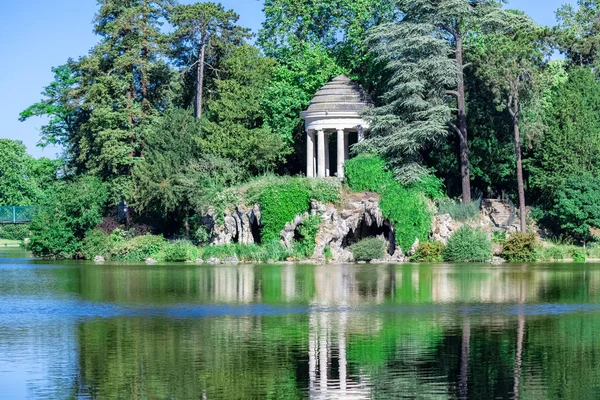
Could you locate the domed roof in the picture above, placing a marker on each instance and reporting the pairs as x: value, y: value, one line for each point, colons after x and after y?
x: 340, y: 95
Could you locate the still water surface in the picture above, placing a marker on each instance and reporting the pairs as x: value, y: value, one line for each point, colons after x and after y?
x: 77, y: 330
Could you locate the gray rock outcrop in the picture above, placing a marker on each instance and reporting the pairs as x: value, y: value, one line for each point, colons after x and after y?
x: 237, y: 225
x: 340, y: 227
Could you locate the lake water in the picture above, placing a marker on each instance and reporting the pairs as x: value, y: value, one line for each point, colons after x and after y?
x: 77, y: 330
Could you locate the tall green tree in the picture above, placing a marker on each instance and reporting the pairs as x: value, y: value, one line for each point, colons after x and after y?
x: 296, y: 77
x: 578, y: 32
x: 450, y: 22
x: 123, y: 82
x: 571, y: 140
x: 414, y: 113
x: 197, y: 26
x: 236, y: 128
x: 337, y: 26
x: 510, y: 63
x: 132, y: 39
x: 59, y: 106
x: 16, y: 187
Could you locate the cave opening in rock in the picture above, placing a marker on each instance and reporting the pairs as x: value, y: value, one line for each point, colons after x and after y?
x: 365, y: 230
x: 255, y: 230
x: 236, y: 237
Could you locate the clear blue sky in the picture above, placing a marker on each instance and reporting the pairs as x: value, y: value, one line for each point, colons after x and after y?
x: 36, y: 35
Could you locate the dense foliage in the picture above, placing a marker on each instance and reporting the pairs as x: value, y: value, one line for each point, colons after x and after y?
x: 429, y: 252
x: 15, y: 232
x: 520, y: 247
x: 468, y: 244
x: 283, y: 199
x: 404, y: 206
x: 577, y: 206
x: 305, y: 247
x: 368, y: 249
x: 66, y: 215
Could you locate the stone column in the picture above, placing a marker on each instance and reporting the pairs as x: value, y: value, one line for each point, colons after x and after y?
x: 310, y: 153
x: 361, y: 133
x: 321, y: 153
x: 341, y: 152
x: 327, y: 166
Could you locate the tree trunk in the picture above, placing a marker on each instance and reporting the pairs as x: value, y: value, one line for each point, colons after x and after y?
x: 520, y: 186
x: 465, y: 171
x: 145, y: 60
x: 520, y: 336
x: 465, y: 350
x: 200, y: 79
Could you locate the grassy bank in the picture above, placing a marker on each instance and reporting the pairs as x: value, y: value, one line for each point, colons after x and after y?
x: 9, y: 243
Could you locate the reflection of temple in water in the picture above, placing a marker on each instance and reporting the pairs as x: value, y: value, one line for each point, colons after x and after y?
x: 327, y: 361
x: 337, y: 288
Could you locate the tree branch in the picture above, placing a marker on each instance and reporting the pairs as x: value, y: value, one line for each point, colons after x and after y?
x: 455, y: 128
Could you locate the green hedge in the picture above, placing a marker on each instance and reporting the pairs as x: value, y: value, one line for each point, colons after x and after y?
x: 180, y: 250
x: 247, y: 252
x: 404, y: 206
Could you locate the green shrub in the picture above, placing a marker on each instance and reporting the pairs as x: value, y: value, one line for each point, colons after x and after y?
x: 459, y: 211
x: 15, y: 232
x: 429, y: 252
x: 368, y: 249
x: 280, y: 204
x: 323, y: 190
x: 201, y: 235
x: 520, y: 247
x: 498, y: 237
x: 99, y: 243
x: 368, y: 172
x: 139, y: 248
x: 468, y: 244
x: 579, y: 256
x: 65, y: 216
x: 305, y: 247
x: 577, y: 206
x: 180, y: 250
x: 407, y: 210
x: 283, y: 198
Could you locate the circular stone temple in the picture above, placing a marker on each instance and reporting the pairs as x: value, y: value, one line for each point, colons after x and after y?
x: 336, y: 108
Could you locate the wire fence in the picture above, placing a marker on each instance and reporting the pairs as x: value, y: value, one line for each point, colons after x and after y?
x: 16, y: 214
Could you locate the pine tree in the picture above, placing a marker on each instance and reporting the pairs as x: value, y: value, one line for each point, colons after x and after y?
x: 122, y: 84
x: 198, y: 27
x: 442, y: 27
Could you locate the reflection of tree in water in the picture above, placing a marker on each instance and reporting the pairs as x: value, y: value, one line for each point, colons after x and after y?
x: 366, y: 335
